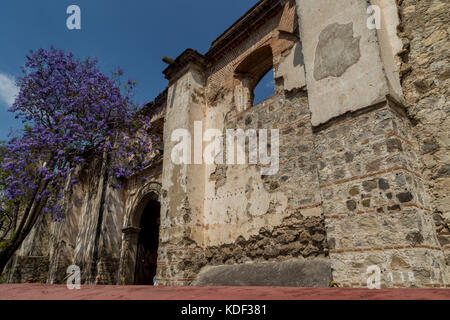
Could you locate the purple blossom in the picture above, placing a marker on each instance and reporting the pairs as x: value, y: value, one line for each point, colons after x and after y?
x: 71, y: 113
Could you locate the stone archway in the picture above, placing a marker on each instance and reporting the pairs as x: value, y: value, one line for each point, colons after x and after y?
x: 147, y: 244
x: 147, y: 196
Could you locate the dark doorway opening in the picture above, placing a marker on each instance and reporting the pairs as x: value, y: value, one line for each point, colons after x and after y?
x: 147, y: 248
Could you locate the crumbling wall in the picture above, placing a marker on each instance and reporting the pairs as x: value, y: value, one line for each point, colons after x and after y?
x: 31, y: 269
x: 51, y: 245
x: 74, y: 237
x: 181, y: 231
x: 375, y: 202
x: 362, y: 178
x: 250, y: 217
x: 85, y: 238
x: 64, y: 233
x: 240, y: 202
x: 31, y: 261
x: 360, y: 149
x: 426, y: 81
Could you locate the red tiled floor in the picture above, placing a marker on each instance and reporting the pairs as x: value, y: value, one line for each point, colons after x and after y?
x: 60, y: 292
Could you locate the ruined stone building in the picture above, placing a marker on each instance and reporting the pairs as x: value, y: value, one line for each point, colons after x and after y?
x: 364, y: 166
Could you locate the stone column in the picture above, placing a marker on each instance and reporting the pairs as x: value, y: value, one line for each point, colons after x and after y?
x: 183, y: 178
x: 128, y: 257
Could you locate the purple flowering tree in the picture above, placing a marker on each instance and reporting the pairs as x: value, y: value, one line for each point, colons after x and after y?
x: 72, y: 113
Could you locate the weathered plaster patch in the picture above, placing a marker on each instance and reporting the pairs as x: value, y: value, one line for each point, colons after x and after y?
x: 336, y: 51
x: 219, y: 176
x: 290, y: 72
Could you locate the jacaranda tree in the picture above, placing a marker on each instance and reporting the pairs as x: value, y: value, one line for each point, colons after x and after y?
x: 72, y: 113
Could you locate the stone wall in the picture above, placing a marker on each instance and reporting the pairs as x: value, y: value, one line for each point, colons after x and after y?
x: 426, y: 82
x: 375, y: 203
x: 351, y: 184
x: 29, y: 269
x: 244, y: 216
x: 91, y: 234
x: 363, y: 175
x: 241, y: 201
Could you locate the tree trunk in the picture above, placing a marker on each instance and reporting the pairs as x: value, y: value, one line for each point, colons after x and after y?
x: 6, y: 254
x: 98, y: 230
x: 29, y: 219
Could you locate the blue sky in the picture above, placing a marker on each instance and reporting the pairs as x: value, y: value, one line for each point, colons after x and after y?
x: 132, y: 34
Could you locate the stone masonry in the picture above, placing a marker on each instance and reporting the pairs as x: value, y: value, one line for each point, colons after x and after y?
x: 364, y: 170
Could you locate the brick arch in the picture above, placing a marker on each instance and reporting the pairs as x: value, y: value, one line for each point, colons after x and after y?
x: 255, y: 65
x: 249, y: 72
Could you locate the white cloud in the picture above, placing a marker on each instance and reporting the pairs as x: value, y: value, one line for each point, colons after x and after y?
x: 8, y: 89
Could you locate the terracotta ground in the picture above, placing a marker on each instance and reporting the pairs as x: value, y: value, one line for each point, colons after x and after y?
x: 60, y: 292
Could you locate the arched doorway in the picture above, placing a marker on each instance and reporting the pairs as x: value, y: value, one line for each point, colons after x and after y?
x: 141, y: 230
x: 147, y: 244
